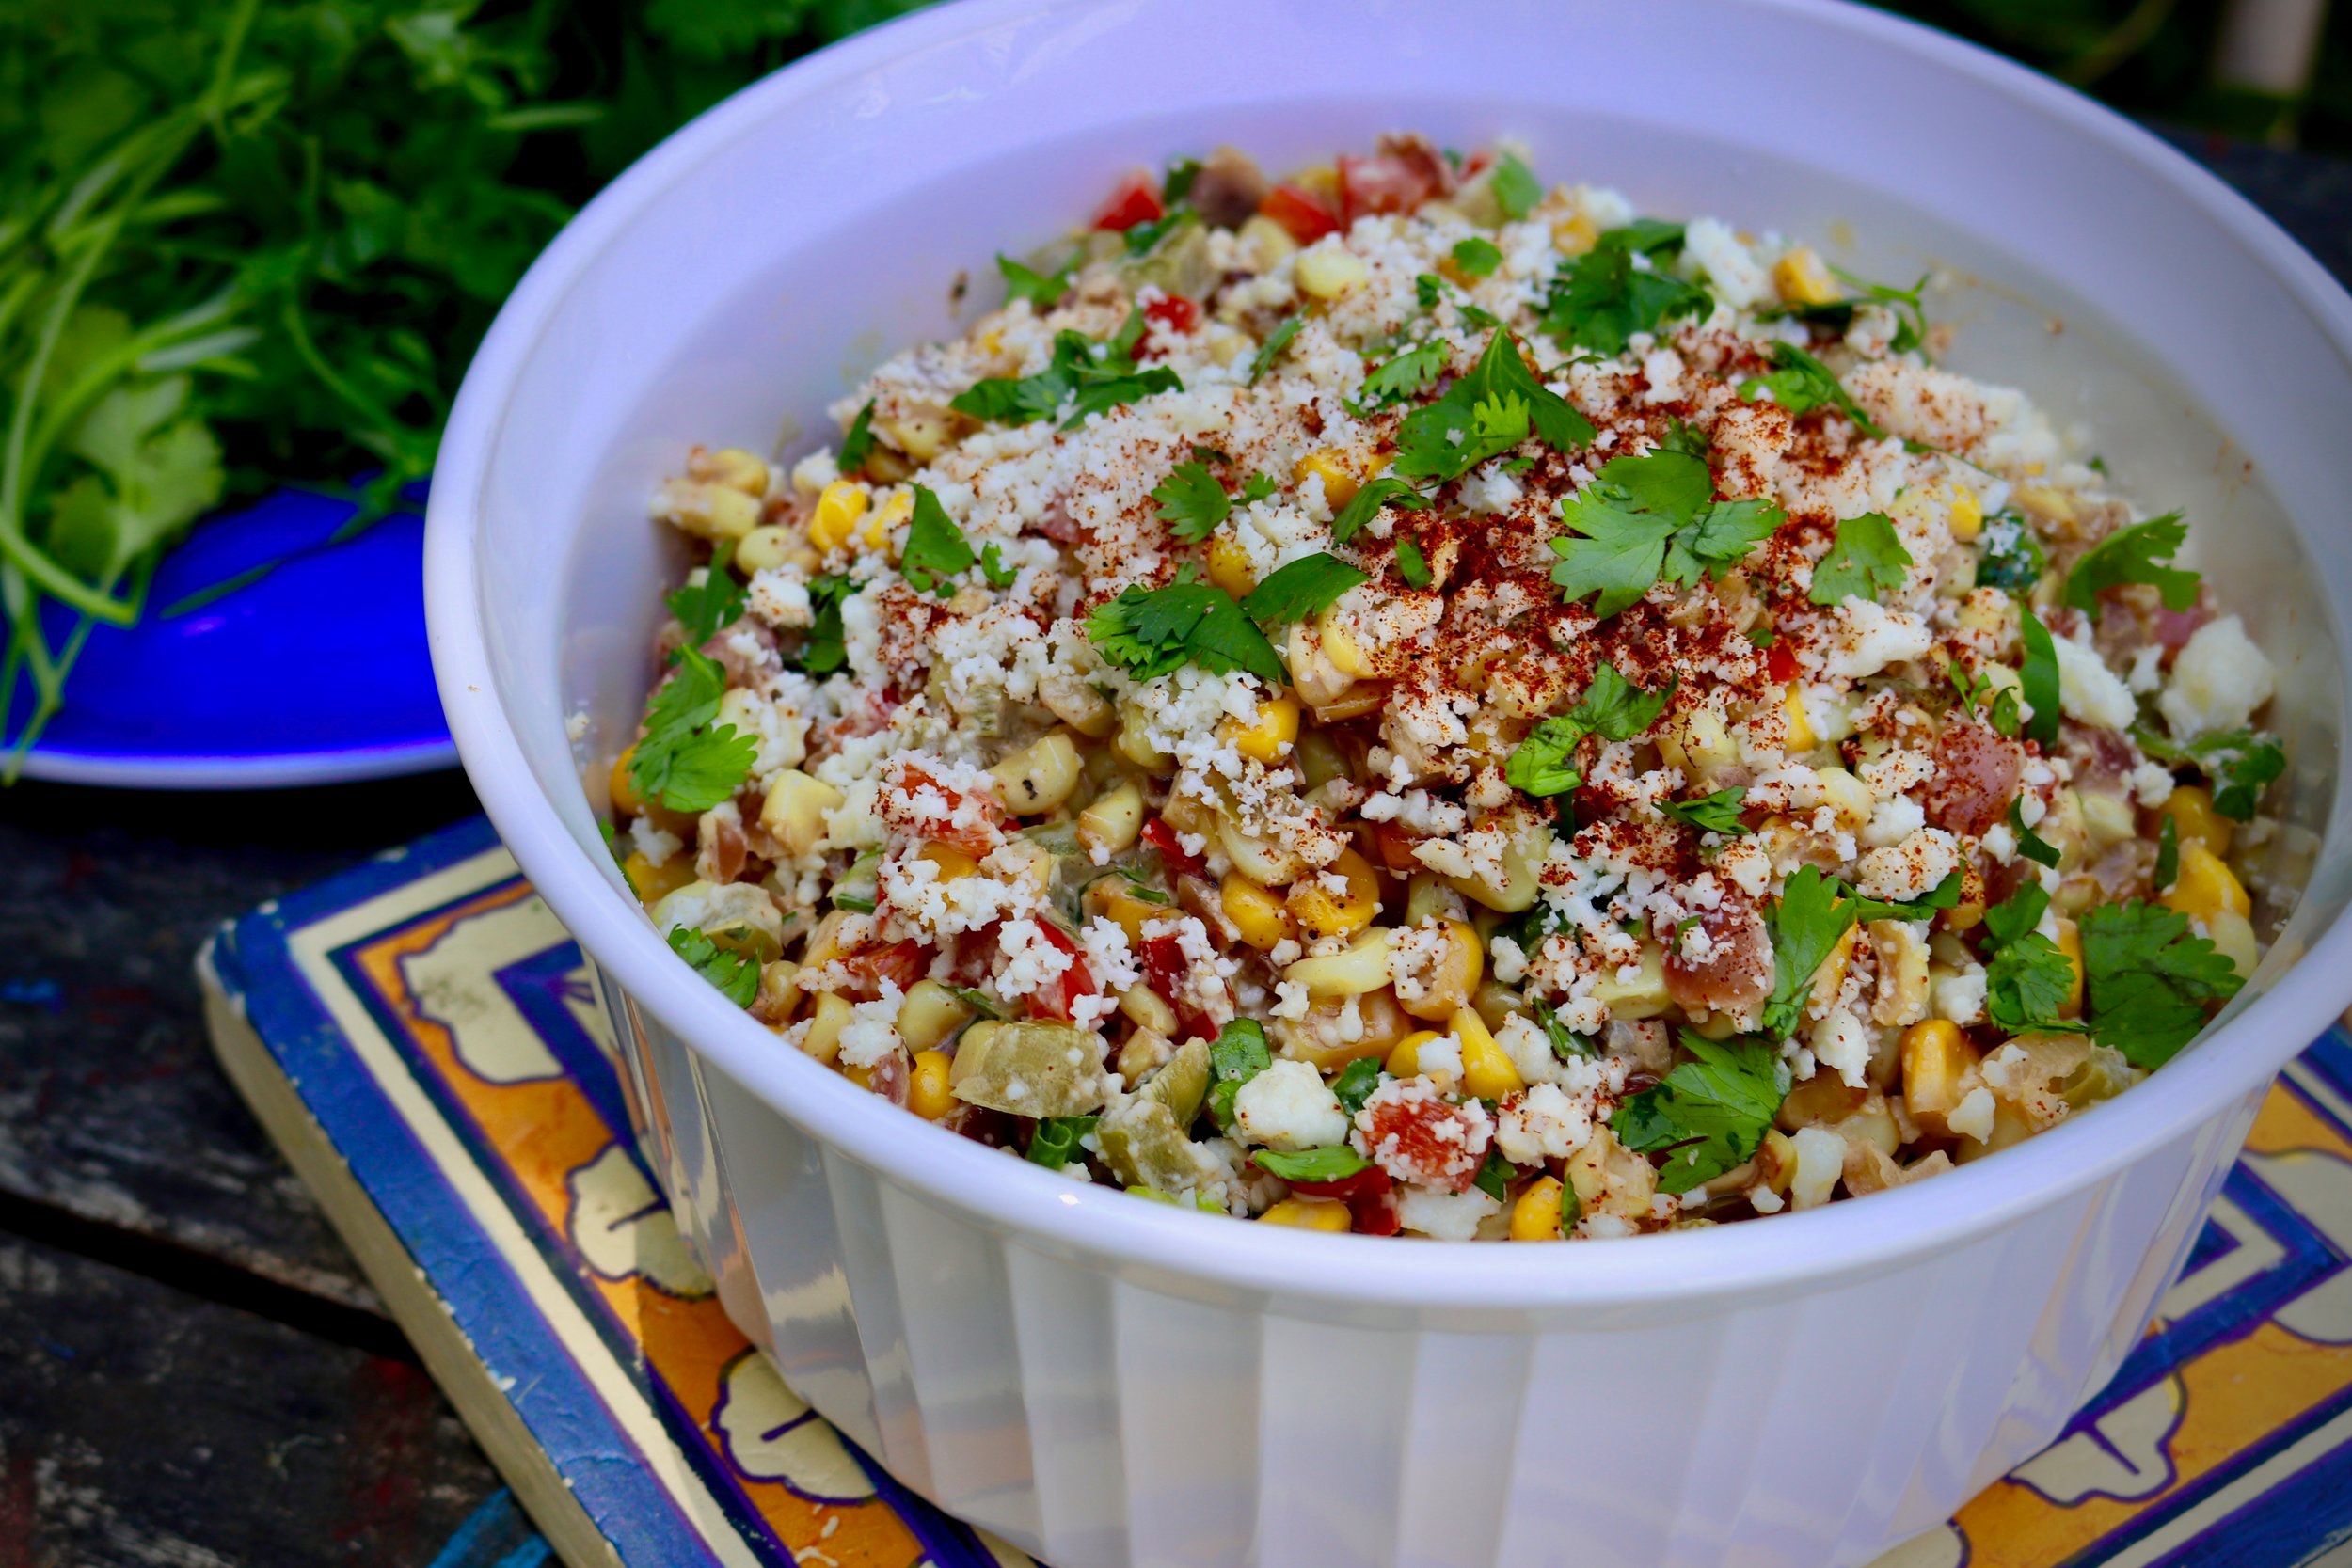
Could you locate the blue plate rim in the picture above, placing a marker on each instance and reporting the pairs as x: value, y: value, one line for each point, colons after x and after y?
x: 291, y: 770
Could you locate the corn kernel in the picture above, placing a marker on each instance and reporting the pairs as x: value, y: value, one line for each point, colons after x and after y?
x: 1804, y: 279
x: 1228, y: 566
x: 768, y: 547
x: 1267, y: 738
x: 1453, y: 976
x: 1405, y: 1056
x: 953, y: 863
x: 2195, y: 821
x: 2069, y: 942
x: 1148, y: 1010
x: 2232, y: 937
x: 1123, y: 909
x: 1487, y: 1070
x: 651, y: 883
x: 2206, y: 886
x: 1935, y: 1055
x: 622, y: 788
x: 1535, y: 1217
x: 1322, y: 912
x: 1341, y: 648
x: 898, y: 509
x: 1040, y: 776
x: 1311, y: 1213
x: 1255, y: 911
x: 1340, y: 482
x: 838, y: 508
x: 1113, y: 820
x: 1801, y: 735
x: 1327, y: 270
x: 930, y: 1015
x: 1575, y: 234
x: 2056, y: 505
x: 823, y: 1040
x: 735, y: 469
x: 1967, y: 513
x: 927, y: 1094
x: 794, y: 811
x: 1360, y: 968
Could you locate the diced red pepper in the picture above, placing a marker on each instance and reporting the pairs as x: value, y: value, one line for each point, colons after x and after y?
x: 901, y: 963
x: 1060, y: 998
x: 1780, y: 661
x: 1166, y: 970
x: 976, y: 838
x: 1175, y: 312
x: 1387, y: 182
x: 1306, y: 215
x: 1178, y: 859
x: 1135, y: 200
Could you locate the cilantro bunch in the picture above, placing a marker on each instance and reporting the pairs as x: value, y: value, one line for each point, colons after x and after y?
x: 1653, y: 518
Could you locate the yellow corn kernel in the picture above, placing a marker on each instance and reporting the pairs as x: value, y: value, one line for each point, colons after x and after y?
x: 896, y: 510
x: 929, y: 1015
x: 1339, y: 483
x: 735, y: 469
x: 1123, y: 909
x: 1267, y: 738
x: 1255, y: 911
x: 952, y: 862
x: 927, y: 1095
x: 2043, y: 500
x: 1326, y: 272
x: 1148, y: 1010
x: 651, y: 883
x: 838, y: 508
x: 1311, y: 1213
x: 1341, y: 648
x: 794, y: 811
x: 1322, y: 912
x: 1405, y: 1056
x: 2206, y: 886
x: 1039, y: 777
x: 1453, y: 976
x: 1967, y: 513
x: 1487, y: 1070
x: 832, y: 1015
x: 2190, y: 806
x: 1801, y: 735
x: 708, y: 511
x: 1111, y: 822
x: 623, y: 789
x: 1575, y: 234
x: 1535, y: 1217
x: 2069, y: 942
x: 1645, y: 995
x: 1804, y: 279
x: 779, y: 991
x: 2234, y: 938
x: 1134, y: 741
x: 1228, y: 566
x: 1935, y: 1056
x: 769, y: 546
x: 1360, y: 968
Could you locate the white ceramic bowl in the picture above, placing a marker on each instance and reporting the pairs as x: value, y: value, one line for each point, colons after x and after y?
x: 1106, y: 1382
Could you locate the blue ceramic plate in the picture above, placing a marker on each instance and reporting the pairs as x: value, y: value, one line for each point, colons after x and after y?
x: 315, y: 674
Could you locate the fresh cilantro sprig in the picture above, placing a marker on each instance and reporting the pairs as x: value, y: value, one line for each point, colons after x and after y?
x: 1366, y: 502
x: 1800, y: 383
x: 1808, y: 923
x: 1192, y: 501
x: 1042, y: 290
x: 1867, y: 560
x: 1718, y: 813
x: 706, y: 608
x: 1149, y: 632
x: 824, y: 648
x: 1407, y: 374
x: 857, y: 443
x: 735, y: 974
x: 2029, y: 844
x: 2240, y: 764
x: 1708, y: 1114
x: 1477, y: 256
x: 2038, y: 677
x: 993, y: 568
x: 2167, y: 869
x: 1236, y: 1056
x: 2151, y: 981
x: 1276, y: 341
x: 687, y: 761
x: 1515, y: 188
x: 1611, y: 707
x: 1411, y: 565
x: 1330, y: 1163
x: 1600, y: 299
x: 1087, y: 375
x: 1355, y: 1081
x: 936, y: 549
x: 1651, y: 518
x: 2028, y: 979
x: 1910, y: 311
x: 1998, y: 705
x: 1301, y: 588
x: 2141, y: 553
x: 1495, y: 408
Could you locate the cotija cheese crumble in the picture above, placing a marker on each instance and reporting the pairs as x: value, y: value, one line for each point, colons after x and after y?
x: 1404, y: 700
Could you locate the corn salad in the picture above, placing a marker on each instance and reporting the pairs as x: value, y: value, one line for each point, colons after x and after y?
x: 1401, y: 699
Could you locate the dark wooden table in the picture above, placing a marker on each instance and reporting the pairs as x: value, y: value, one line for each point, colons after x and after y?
x: 192, y: 1371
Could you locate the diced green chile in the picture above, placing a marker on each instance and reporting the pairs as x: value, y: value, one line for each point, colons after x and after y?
x: 1031, y: 1070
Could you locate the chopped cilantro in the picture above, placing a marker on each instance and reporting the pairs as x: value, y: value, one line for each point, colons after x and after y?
x: 1802, y: 384
x: 1192, y: 501
x: 1091, y: 377
x: 1366, y: 503
x: 1565, y: 1043
x: 1644, y: 518
x: 2167, y: 855
x: 1998, y: 705
x: 1611, y: 707
x: 1276, y: 341
x: 1355, y: 1081
x: 858, y: 443
x: 1177, y: 184
x: 2241, y: 764
x: 858, y: 889
x: 1145, y: 237
x: 1477, y: 257
x: 1041, y: 289
x: 1054, y: 1143
x: 1153, y: 632
x: 1761, y: 637
x: 2033, y: 847
x: 735, y: 974
x: 1302, y: 588
x: 1330, y: 1163
x: 824, y: 648
x: 1515, y: 188
x: 2012, y: 559
x: 2141, y: 553
x: 993, y: 567
x: 1486, y: 414
x: 1257, y: 488
x: 1604, y: 297
x: 2029, y: 978
x: 2151, y: 980
x: 1911, y: 319
x: 1718, y: 813
x: 1943, y: 895
x: 1808, y: 923
x: 1495, y: 1177
x: 2039, y: 678
x: 1411, y: 564
x: 1236, y: 1056
x: 687, y: 761
x: 706, y: 608
x: 1708, y: 1114
x: 1404, y: 374
x: 936, y: 549
x: 1868, y: 559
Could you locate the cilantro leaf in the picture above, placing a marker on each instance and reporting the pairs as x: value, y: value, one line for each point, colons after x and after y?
x: 2012, y: 559
x: 1192, y: 501
x: 1808, y: 923
x: 2029, y: 844
x: 1708, y: 1114
x: 1236, y: 1056
x: 1145, y: 237
x: 1328, y: 1163
x: 2167, y: 869
x: 706, y: 608
x: 1802, y: 384
x: 1515, y: 188
x: 857, y: 444
x: 684, y: 761
x: 1540, y: 764
x: 1041, y: 289
x: 1477, y: 256
x: 1650, y: 517
x: 1411, y: 564
x: 1599, y: 300
x: 993, y: 569
x: 1276, y: 341
x: 2241, y: 764
x: 1943, y: 895
x: 1495, y: 1177
x: 1152, y: 631
x: 2039, y: 678
x: 736, y: 975
x: 1366, y: 503
x: 2028, y: 979
x: 936, y: 549
x: 824, y: 648
x: 1257, y: 488
x: 1611, y: 707
x: 1718, y: 813
x: 1866, y: 560
x: 1407, y: 374
x: 1486, y: 414
x: 1910, y: 311
x: 1355, y: 1081
x: 2141, y: 553
x: 1302, y: 588
x: 2150, y: 980
x: 1090, y: 376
